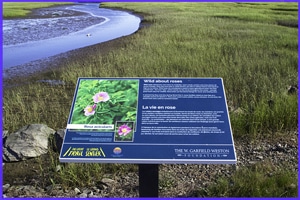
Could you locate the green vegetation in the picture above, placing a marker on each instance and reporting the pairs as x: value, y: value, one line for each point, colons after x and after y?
x: 256, y: 57
x: 258, y: 180
x: 77, y: 174
x: 109, y: 101
x: 18, y: 9
x: 253, y: 47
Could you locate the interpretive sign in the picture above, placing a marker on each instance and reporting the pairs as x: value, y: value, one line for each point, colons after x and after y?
x: 149, y: 120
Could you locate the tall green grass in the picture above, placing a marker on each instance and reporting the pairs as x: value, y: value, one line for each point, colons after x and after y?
x: 259, y: 180
x: 36, y: 103
x: 253, y: 47
x: 243, y: 43
x: 256, y: 57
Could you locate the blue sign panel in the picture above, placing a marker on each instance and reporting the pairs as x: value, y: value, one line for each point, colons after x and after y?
x: 149, y: 120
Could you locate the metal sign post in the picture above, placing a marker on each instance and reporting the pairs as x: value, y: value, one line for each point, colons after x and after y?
x: 148, y: 180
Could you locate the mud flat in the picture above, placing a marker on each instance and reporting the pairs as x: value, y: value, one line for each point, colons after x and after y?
x: 60, y: 21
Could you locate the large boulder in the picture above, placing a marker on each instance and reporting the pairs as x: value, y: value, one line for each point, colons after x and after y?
x: 28, y: 142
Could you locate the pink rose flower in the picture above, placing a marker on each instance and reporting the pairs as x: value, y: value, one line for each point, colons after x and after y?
x: 90, y: 110
x: 124, y: 130
x: 101, y: 97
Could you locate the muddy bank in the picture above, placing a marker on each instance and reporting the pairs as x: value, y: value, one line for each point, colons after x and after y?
x: 34, y: 70
x: 20, y: 74
x: 45, y: 23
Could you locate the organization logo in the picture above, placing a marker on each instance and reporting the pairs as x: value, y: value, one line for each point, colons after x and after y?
x: 117, y: 150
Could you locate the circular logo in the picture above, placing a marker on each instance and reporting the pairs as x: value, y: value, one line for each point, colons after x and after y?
x: 117, y: 150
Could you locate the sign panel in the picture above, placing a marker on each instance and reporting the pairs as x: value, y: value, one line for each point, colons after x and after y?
x: 149, y: 120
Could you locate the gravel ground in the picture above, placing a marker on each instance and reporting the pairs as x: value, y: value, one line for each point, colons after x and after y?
x: 181, y: 180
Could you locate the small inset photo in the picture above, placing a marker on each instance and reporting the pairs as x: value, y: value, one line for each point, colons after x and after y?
x: 124, y: 131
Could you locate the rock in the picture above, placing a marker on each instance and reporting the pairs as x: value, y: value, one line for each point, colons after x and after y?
x: 58, y: 168
x: 4, y: 134
x: 59, y: 137
x: 77, y: 191
x: 107, y: 181
x: 260, y: 157
x: 292, y: 89
x: 238, y: 111
x: 28, y: 142
x: 83, y: 195
x: 49, y: 188
x: 5, y: 187
x: 292, y: 186
x: 57, y: 13
x: 279, y: 148
x: 52, y: 82
x: 90, y: 194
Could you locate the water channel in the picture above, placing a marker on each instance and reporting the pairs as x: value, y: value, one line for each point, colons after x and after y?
x: 113, y: 24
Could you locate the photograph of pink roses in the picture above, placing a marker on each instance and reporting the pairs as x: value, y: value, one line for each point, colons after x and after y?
x: 105, y: 101
x: 124, y: 131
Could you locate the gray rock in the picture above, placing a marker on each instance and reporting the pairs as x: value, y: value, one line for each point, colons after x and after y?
x: 83, y: 195
x: 292, y: 186
x: 77, y: 191
x: 28, y: 142
x: 4, y: 134
x: 292, y: 89
x: 6, y: 187
x: 49, y: 188
x: 107, y: 181
x: 90, y: 194
x: 52, y: 82
x: 58, y: 168
x: 56, y: 14
x: 260, y: 157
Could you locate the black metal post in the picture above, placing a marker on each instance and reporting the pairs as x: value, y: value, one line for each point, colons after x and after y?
x: 148, y: 180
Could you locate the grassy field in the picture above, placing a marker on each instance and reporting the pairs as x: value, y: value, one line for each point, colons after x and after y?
x: 14, y: 10
x: 256, y: 57
x: 254, y: 181
x: 252, y: 46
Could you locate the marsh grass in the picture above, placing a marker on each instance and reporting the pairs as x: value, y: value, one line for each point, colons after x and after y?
x: 37, y: 103
x: 253, y: 47
x: 19, y: 9
x: 259, y: 180
x: 242, y: 43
